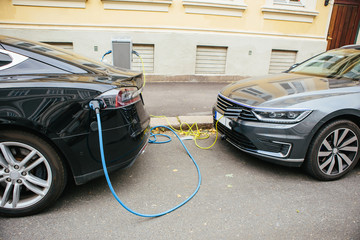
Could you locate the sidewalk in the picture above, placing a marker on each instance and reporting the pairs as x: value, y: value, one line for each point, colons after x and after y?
x: 203, y: 122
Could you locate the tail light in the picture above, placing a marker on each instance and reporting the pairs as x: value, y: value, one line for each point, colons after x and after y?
x: 120, y: 97
x: 127, y: 96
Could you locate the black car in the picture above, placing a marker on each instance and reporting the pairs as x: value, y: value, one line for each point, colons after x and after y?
x: 308, y: 116
x: 47, y: 130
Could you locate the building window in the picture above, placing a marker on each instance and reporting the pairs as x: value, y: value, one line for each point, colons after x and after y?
x: 290, y: 10
x: 233, y: 8
x: 146, y: 52
x: 51, y: 3
x: 138, y: 5
x: 290, y: 2
x: 210, y: 60
x: 281, y: 60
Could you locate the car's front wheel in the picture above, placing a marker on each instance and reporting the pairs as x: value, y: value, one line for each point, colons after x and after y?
x: 32, y: 175
x: 334, y: 151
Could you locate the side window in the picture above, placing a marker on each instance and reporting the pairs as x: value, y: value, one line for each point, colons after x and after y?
x: 5, y: 59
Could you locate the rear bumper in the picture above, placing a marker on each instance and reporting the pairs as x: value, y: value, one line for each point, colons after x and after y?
x: 81, y: 179
x: 125, y: 133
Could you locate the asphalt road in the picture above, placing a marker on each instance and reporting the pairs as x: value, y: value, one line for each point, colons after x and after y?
x: 240, y: 198
x: 181, y: 99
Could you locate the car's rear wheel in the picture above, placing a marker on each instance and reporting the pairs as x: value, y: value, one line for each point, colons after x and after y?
x: 334, y: 151
x: 32, y: 175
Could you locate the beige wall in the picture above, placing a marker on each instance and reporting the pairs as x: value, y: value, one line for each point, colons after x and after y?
x: 249, y: 29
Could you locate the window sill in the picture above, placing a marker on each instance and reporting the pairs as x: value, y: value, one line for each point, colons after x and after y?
x: 138, y: 5
x: 221, y: 7
x: 296, y: 14
x: 51, y: 3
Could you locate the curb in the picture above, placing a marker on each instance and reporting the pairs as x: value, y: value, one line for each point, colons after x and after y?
x: 203, y: 122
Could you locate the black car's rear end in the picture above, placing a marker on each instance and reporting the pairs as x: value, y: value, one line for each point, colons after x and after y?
x: 49, y: 132
x: 125, y: 129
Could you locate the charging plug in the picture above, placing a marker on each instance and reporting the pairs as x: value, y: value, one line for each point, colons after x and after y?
x: 96, y: 105
x: 108, y: 52
x: 136, y: 53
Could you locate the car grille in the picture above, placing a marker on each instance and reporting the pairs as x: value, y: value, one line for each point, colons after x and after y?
x: 236, y: 138
x: 234, y: 110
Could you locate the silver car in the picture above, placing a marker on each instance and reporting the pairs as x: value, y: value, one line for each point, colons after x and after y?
x: 308, y: 116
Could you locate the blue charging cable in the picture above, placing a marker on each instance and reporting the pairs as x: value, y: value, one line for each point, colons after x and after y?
x: 108, y: 52
x: 96, y: 106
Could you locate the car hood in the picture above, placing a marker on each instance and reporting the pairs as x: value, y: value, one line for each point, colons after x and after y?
x: 287, y: 89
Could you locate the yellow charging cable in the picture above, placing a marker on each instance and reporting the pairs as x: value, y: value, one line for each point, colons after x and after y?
x: 143, y: 68
x: 197, y: 134
x: 192, y: 130
x: 216, y: 137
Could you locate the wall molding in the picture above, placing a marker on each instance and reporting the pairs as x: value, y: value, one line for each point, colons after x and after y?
x: 138, y: 5
x: 220, y: 7
x: 51, y: 3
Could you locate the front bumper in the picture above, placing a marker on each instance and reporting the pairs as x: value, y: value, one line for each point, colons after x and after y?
x: 284, y: 144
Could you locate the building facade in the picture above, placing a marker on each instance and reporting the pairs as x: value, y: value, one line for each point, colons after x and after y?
x: 179, y: 40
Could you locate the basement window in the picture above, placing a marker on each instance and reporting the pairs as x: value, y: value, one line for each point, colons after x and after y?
x: 146, y: 52
x: 281, y: 60
x: 210, y: 60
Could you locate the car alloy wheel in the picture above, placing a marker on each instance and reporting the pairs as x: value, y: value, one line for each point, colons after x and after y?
x: 31, y: 175
x: 335, y: 150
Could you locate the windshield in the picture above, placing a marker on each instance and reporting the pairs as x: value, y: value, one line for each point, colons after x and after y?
x: 334, y: 63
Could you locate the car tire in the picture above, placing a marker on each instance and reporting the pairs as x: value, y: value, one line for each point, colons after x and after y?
x: 334, y: 151
x: 32, y: 175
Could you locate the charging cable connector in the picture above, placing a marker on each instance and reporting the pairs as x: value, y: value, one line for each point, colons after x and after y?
x: 96, y: 105
x: 108, y: 52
